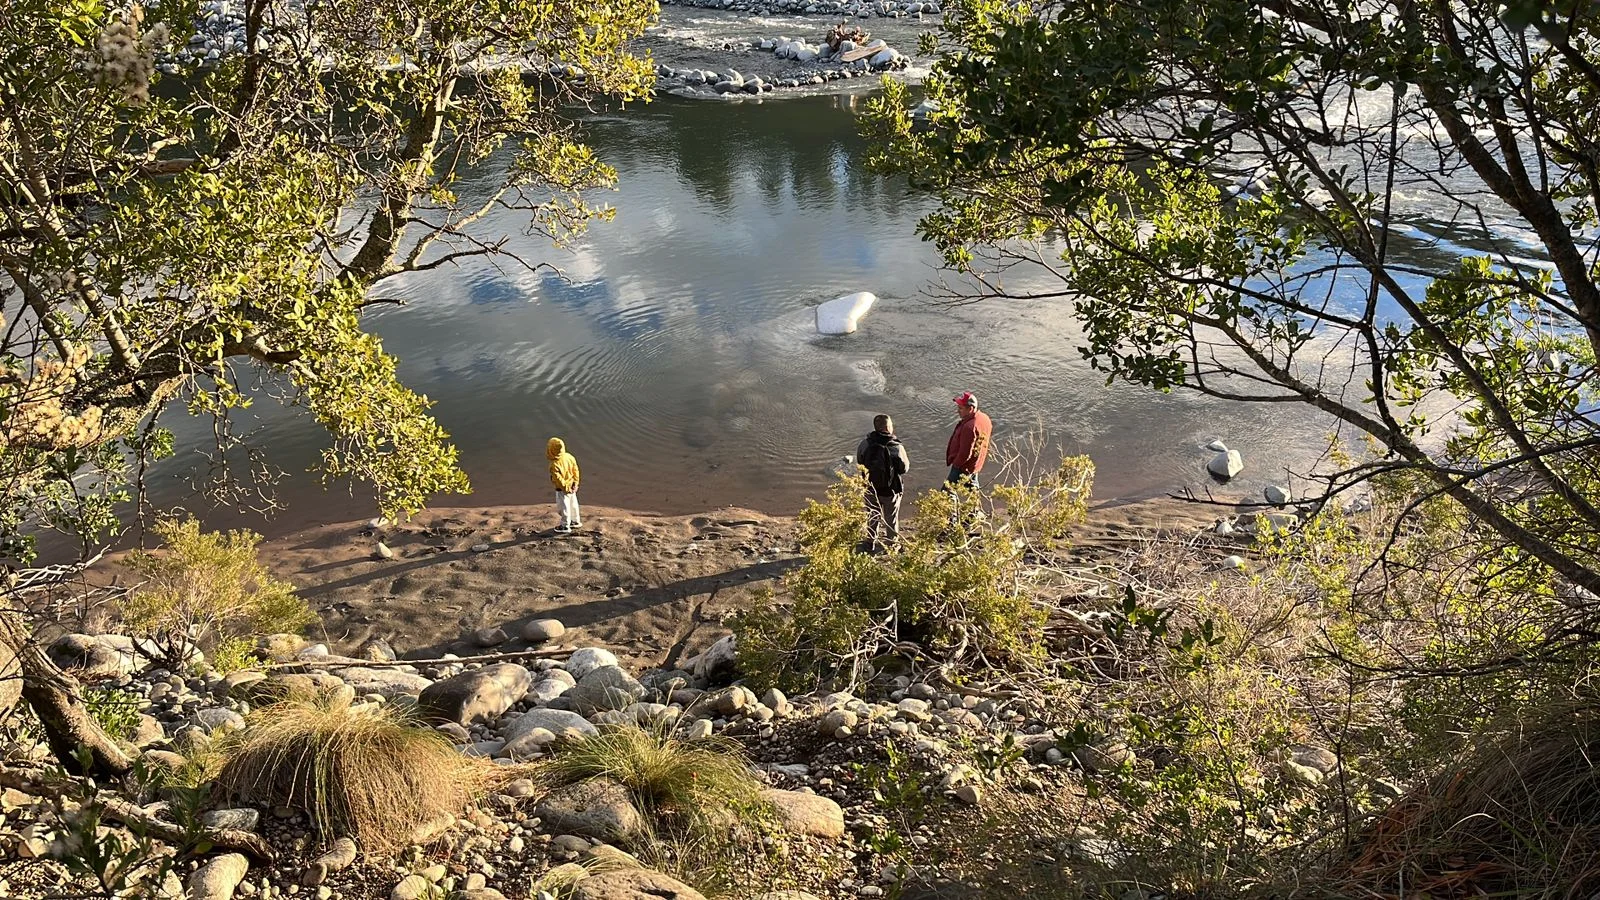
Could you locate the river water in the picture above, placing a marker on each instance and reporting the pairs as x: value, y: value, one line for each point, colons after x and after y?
x: 676, y: 352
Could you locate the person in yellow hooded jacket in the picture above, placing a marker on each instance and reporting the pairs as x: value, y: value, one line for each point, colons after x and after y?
x: 564, y: 475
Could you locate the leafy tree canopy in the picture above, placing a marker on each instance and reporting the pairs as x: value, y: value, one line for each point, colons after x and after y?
x: 181, y: 237
x: 1224, y: 192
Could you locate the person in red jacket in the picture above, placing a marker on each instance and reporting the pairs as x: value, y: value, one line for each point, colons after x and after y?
x: 969, y: 443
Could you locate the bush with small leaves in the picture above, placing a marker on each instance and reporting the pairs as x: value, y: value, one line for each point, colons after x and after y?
x: 209, y: 589
x: 959, y: 585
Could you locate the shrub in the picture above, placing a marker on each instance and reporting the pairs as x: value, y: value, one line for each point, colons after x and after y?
x: 359, y: 772
x: 235, y: 654
x: 960, y: 585
x: 116, y: 711
x: 208, y: 588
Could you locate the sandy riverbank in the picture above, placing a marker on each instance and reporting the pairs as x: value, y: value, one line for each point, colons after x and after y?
x: 653, y: 588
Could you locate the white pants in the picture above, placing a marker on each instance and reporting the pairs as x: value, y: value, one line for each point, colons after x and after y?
x: 567, y: 507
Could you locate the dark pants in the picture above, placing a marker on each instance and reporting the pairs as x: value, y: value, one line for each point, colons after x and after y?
x: 962, y: 478
x: 883, y: 515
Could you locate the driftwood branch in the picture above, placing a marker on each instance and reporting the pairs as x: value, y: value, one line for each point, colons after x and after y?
x: 38, y: 783
x: 337, y: 662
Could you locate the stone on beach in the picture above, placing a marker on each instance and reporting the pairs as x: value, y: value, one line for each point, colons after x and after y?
x: 633, y: 884
x: 481, y: 695
x: 841, y: 315
x: 596, y: 808
x: 540, y: 630
x: 217, y: 879
x: 560, y: 722
x: 586, y: 660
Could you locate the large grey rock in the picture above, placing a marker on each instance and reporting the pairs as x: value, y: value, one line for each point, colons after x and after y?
x: 604, y: 689
x: 807, y: 814
x: 548, y: 689
x: 586, y: 660
x: 87, y: 656
x: 147, y: 732
x: 1277, y: 495
x: 219, y: 719
x: 217, y: 879
x: 597, y: 808
x: 562, y: 723
x: 481, y: 695
x: 633, y: 884
x: 718, y: 660
x: 528, y: 745
x: 391, y: 683
x: 1226, y: 464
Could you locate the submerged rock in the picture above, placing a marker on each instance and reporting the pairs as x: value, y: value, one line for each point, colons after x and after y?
x: 1226, y: 464
x: 841, y: 315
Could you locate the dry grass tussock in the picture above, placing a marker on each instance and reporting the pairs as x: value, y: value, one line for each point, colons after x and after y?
x: 365, y: 773
x: 1518, y: 815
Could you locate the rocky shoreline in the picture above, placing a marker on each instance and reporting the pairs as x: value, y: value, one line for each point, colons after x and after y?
x: 815, y: 754
x: 693, y: 62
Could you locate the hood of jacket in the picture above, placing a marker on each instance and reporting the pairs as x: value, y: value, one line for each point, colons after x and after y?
x: 878, y: 437
x: 555, y: 448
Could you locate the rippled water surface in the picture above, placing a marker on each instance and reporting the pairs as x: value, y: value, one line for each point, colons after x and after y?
x: 677, y: 355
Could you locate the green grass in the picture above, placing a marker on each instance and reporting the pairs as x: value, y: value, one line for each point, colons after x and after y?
x: 116, y: 711
x: 702, y: 797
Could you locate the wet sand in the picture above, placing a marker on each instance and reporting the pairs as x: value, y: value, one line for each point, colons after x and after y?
x: 653, y: 588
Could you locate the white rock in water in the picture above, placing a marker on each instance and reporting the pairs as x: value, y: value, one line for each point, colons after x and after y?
x: 1276, y: 495
x: 1218, y: 446
x: 1226, y: 464
x: 846, y: 467
x: 841, y: 315
x: 884, y: 57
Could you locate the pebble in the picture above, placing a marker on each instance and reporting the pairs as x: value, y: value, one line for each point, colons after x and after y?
x: 411, y: 887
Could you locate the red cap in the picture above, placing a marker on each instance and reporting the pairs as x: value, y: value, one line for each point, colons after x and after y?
x: 967, y: 398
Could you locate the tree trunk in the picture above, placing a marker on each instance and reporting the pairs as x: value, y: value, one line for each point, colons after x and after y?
x: 55, y: 698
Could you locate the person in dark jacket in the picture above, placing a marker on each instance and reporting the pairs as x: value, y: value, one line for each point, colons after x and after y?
x: 886, y: 462
x: 969, y: 443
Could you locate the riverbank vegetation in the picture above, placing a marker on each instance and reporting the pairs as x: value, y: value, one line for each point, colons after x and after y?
x: 1198, y: 188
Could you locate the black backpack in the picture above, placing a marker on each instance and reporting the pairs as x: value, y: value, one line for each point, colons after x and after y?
x: 880, y: 471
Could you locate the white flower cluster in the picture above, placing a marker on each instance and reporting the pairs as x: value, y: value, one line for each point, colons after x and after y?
x: 125, y: 59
